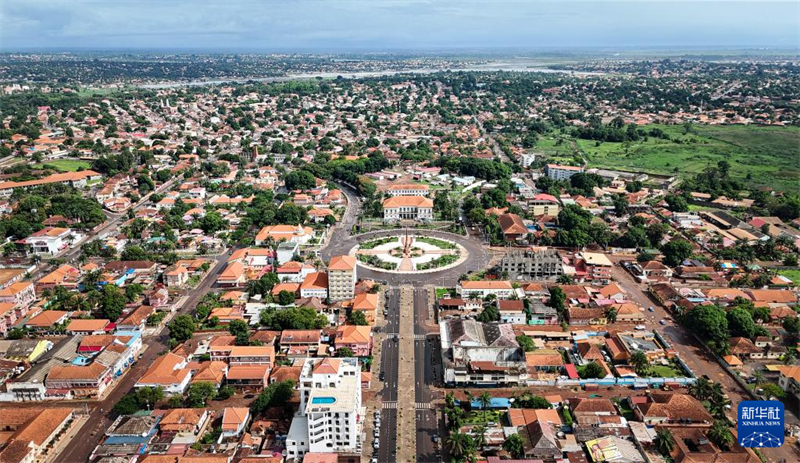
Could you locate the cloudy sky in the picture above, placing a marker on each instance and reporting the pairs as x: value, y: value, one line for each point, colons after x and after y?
x: 307, y: 25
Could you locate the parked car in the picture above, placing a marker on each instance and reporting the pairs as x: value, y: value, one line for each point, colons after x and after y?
x: 651, y: 309
x: 662, y: 321
x: 376, y: 443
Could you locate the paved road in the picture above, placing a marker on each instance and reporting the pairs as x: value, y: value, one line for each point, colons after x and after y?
x: 427, y: 355
x: 101, y: 415
x: 390, y: 357
x: 696, y: 356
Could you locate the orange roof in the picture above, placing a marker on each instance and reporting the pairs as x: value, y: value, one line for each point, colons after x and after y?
x: 248, y: 372
x: 291, y: 287
x: 59, y: 275
x: 233, y: 417
x: 317, y: 280
x: 407, y: 201
x: 282, y: 232
x: 344, y: 263
x: 181, y: 419
x: 163, y: 371
x: 213, y: 372
x: 55, y: 178
x: 47, y: 318
x: 233, y: 272
x: 486, y: 284
x: 365, y: 301
x: 328, y: 366
x: 91, y: 372
x: 88, y: 324
x: 15, y: 288
x: 353, y: 334
x: 544, y: 357
x: 251, y: 351
x: 773, y: 295
x: 512, y: 224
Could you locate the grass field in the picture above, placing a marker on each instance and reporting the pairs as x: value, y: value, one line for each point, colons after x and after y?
x: 770, y: 155
x: 792, y: 274
x: 65, y: 165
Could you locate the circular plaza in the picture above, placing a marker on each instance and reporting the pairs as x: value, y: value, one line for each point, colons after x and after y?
x: 409, y: 252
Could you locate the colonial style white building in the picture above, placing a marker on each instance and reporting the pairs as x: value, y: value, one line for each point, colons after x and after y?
x: 411, y: 189
x: 330, y: 416
x: 407, y: 208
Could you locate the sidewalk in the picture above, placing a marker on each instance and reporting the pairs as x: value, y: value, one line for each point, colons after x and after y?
x: 406, y: 407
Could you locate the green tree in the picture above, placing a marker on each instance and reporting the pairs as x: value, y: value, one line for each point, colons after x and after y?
x: 275, y: 394
x: 16, y: 333
x: 514, y: 445
x: 285, y: 297
x: 479, y: 436
x: 485, y: 399
x: 127, y: 405
x: 592, y: 370
x: 181, y: 328
x: 709, y: 322
x: 345, y: 352
x: 225, y: 392
x: 740, y: 323
x: 557, y: 300
x: 293, y: 318
x: 357, y: 317
x: 664, y: 441
x: 526, y: 342
x: 112, y: 303
x: 458, y: 443
x: 611, y: 315
x: 720, y: 435
x: 200, y: 393
x: 489, y: 314
x: 676, y: 251
x: 640, y: 363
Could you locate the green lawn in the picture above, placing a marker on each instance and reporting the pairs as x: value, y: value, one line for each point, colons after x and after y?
x: 792, y: 274
x: 771, y: 155
x: 662, y: 371
x: 477, y: 417
x: 64, y: 165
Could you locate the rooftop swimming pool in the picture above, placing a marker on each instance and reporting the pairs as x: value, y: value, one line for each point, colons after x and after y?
x: 323, y: 400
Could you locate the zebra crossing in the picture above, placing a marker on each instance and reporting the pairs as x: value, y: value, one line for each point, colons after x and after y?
x: 423, y: 406
x: 419, y: 337
x: 389, y: 405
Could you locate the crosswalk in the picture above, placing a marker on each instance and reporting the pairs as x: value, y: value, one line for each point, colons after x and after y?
x: 423, y: 406
x: 419, y: 337
x: 389, y: 405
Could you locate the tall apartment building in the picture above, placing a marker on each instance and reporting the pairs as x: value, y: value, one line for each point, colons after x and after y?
x: 342, y: 278
x: 559, y: 172
x: 330, y: 416
x: 532, y: 264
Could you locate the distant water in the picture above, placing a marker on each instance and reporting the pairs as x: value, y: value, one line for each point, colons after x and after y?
x: 489, y: 67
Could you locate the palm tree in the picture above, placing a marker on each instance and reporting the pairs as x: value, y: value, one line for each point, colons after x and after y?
x: 789, y: 357
x: 485, y: 399
x: 701, y: 389
x: 457, y: 443
x: 720, y: 434
x: 758, y: 376
x: 479, y: 436
x: 640, y: 362
x: 611, y: 315
x: 664, y: 441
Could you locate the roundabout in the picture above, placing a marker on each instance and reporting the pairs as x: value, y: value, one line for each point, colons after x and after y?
x: 409, y: 253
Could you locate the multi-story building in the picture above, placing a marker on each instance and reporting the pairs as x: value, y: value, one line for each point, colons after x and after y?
x: 532, y: 264
x: 483, y: 288
x: 342, y: 278
x: 411, y: 189
x: 559, y: 172
x: 597, y: 266
x: 330, y: 416
x: 543, y: 204
x: 315, y: 285
x: 475, y: 353
x: 50, y: 240
x: 407, y: 208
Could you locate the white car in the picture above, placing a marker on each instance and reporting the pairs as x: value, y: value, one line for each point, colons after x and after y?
x: 376, y: 443
x: 640, y: 327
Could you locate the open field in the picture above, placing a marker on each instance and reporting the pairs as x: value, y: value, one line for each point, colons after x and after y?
x: 792, y: 274
x: 64, y: 165
x: 770, y: 155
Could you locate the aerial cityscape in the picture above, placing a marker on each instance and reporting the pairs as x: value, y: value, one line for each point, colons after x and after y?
x: 395, y: 232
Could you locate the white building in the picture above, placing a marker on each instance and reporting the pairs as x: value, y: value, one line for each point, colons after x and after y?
x: 559, y: 172
x: 342, y: 278
x: 481, y: 289
x: 286, y: 251
x: 410, y: 189
x: 51, y: 240
x: 330, y: 416
x: 407, y: 208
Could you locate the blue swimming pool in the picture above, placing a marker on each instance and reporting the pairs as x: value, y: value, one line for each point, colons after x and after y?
x: 323, y: 400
